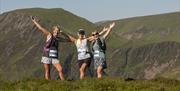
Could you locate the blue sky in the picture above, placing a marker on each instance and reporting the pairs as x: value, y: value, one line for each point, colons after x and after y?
x: 98, y: 10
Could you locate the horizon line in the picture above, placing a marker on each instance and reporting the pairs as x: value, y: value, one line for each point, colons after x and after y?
x: 136, y: 16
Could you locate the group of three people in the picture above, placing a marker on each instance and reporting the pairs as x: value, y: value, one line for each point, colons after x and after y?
x: 50, y: 53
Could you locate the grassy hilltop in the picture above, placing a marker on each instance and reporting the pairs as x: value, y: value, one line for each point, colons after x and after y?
x: 107, y: 84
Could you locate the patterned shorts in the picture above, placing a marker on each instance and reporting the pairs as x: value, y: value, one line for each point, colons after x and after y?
x: 47, y: 60
x: 100, y: 61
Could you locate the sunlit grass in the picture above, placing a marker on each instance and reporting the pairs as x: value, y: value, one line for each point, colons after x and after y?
x: 92, y: 84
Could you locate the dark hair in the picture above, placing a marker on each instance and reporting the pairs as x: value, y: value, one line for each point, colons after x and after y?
x: 95, y: 33
x: 81, y: 31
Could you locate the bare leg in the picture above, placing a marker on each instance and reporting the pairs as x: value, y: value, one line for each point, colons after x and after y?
x: 82, y: 70
x: 47, y: 71
x: 99, y: 72
x: 60, y: 70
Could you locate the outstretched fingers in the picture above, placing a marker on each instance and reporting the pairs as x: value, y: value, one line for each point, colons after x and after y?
x: 112, y: 25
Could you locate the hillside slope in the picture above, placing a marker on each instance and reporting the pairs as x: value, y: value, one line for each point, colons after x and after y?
x: 145, y: 47
x: 21, y: 43
x: 141, y: 48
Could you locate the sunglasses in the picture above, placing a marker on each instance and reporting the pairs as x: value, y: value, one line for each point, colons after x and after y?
x: 95, y: 34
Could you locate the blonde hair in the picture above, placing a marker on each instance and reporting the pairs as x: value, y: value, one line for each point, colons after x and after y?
x: 56, y: 26
x: 79, y: 40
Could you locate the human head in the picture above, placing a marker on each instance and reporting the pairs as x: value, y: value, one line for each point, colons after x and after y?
x: 81, y: 33
x: 95, y: 34
x: 55, y: 30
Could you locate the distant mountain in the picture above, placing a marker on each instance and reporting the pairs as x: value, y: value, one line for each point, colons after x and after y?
x: 145, y: 47
x: 21, y: 43
x: 101, y: 22
x: 148, y: 29
x: 141, y: 47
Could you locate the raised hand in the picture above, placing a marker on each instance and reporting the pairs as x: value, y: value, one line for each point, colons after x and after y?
x: 112, y: 25
x: 105, y: 29
x: 32, y: 18
x: 109, y: 30
x: 44, y: 30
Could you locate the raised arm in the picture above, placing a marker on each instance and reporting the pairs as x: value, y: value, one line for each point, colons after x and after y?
x: 103, y: 31
x: 109, y: 30
x: 71, y: 38
x: 45, y: 31
x: 91, y: 38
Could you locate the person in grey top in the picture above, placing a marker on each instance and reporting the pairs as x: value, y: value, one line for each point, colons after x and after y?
x: 99, y: 48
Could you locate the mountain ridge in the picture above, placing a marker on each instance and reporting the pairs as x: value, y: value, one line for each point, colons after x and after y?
x: 132, y: 42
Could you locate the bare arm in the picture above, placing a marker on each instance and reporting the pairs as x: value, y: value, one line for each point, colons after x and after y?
x: 45, y: 31
x: 71, y: 38
x: 103, y: 31
x: 91, y: 38
x: 109, y: 30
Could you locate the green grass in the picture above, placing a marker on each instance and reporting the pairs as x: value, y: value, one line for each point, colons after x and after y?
x: 92, y: 84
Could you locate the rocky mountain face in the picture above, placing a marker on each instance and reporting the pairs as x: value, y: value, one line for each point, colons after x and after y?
x: 140, y: 50
x: 21, y: 45
x: 147, y: 62
x: 145, y: 47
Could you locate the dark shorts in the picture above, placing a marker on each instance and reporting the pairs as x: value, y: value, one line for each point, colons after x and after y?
x: 87, y: 61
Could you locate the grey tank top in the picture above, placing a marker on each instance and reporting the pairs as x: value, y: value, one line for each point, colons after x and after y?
x: 98, y: 52
x: 82, y: 49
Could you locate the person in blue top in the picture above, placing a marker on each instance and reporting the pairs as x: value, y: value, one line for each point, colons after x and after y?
x: 99, y: 49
